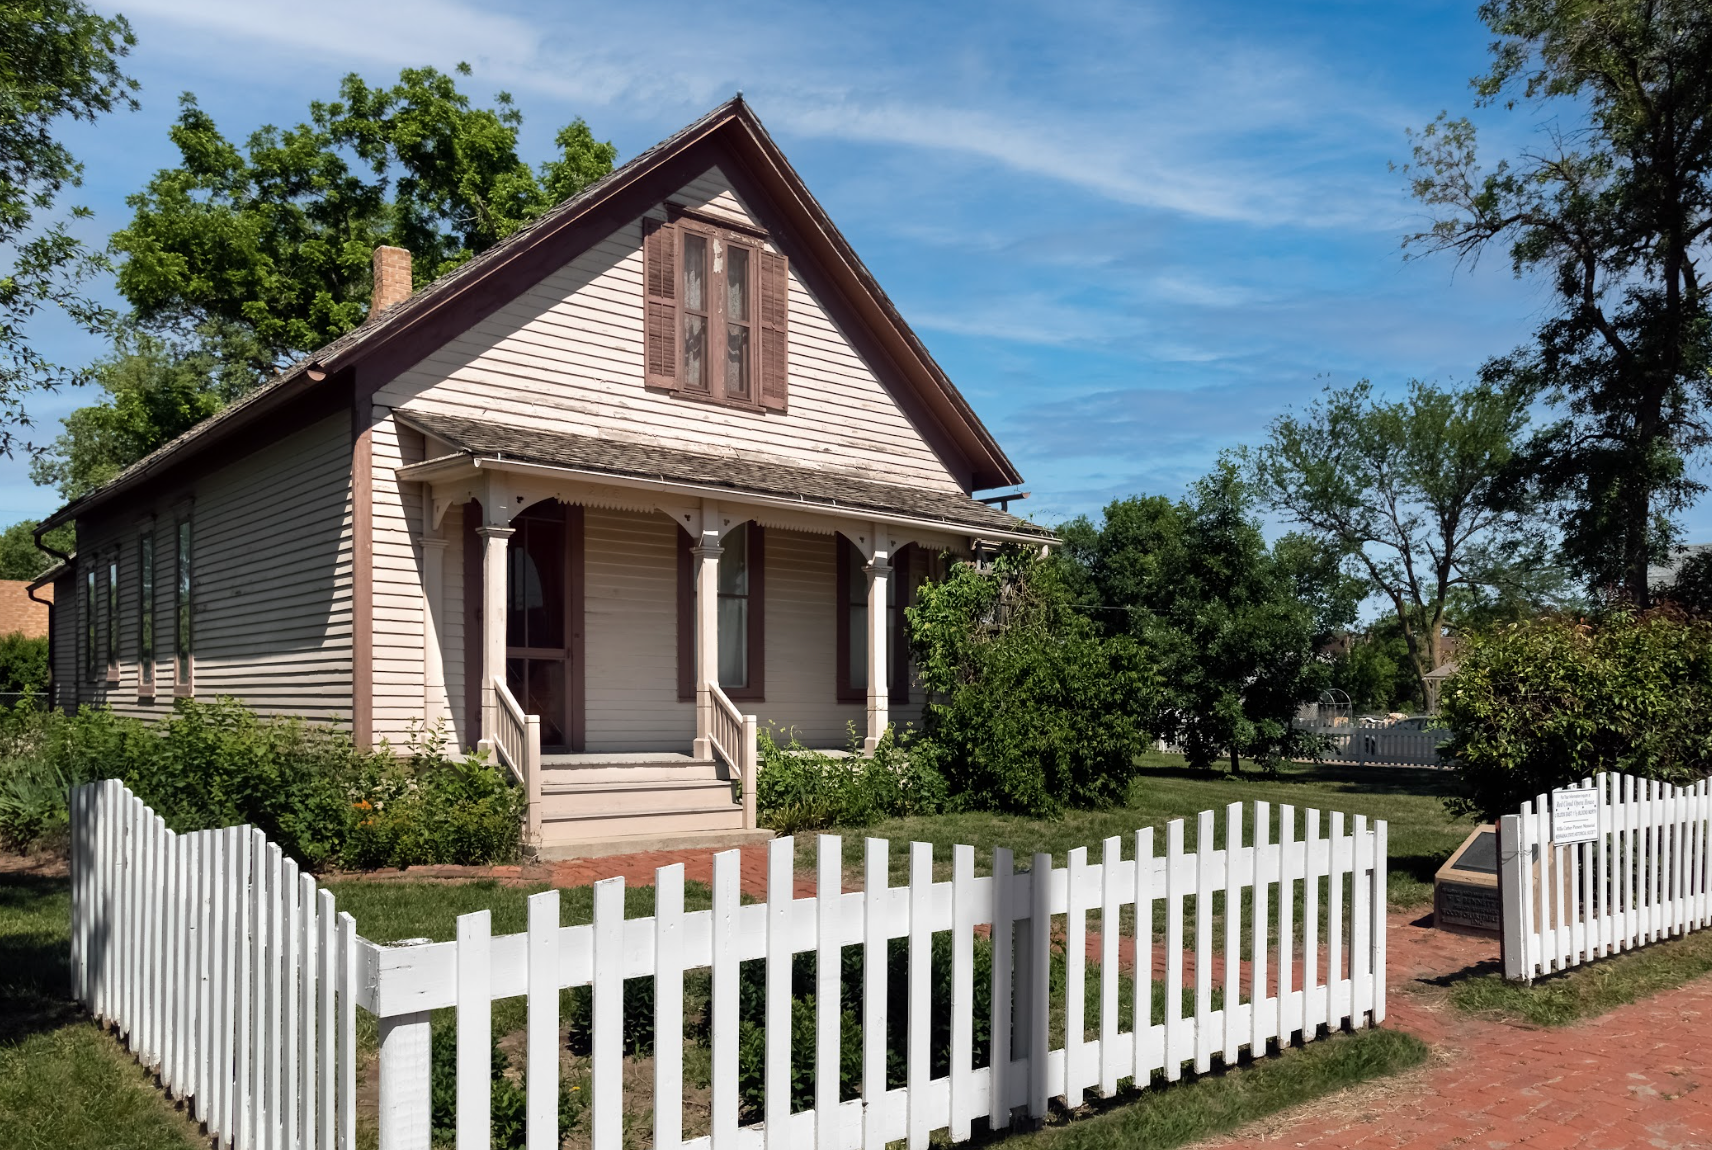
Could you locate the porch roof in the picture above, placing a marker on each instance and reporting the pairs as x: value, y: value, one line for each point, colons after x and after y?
x: 478, y: 440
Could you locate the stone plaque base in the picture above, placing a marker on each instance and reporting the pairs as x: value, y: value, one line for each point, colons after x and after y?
x: 1465, y: 889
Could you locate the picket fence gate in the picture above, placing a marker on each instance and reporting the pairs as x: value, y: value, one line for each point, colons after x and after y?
x: 1644, y: 876
x: 223, y: 969
x: 233, y: 976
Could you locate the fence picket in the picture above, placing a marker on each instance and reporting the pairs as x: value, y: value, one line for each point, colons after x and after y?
x: 308, y: 960
x: 1111, y: 898
x: 1039, y: 985
x: 1380, y: 884
x: 1149, y: 1045
x: 776, y: 1076
x: 1001, y: 1098
x: 607, y: 1054
x: 1233, y: 872
x: 1177, y: 1039
x: 669, y: 1008
x: 917, y: 1069
x: 347, y: 1079
x: 474, y: 1030
x: 1206, y: 882
x: 726, y: 902
x: 965, y: 912
x: 1361, y: 904
x: 1075, y: 976
x: 326, y: 1019
x: 1289, y: 1015
x: 542, y: 1043
x: 1313, y: 995
x: 1262, y: 1023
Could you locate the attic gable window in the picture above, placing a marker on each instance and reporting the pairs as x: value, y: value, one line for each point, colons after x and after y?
x: 716, y: 313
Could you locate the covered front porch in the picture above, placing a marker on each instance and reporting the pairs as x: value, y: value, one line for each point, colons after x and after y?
x: 625, y: 635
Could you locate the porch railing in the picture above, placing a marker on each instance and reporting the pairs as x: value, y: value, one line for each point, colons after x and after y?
x: 517, y: 738
x: 733, y: 739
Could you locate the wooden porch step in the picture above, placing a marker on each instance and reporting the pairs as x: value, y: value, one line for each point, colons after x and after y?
x: 582, y: 770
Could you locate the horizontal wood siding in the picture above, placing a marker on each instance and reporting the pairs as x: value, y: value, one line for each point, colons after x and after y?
x: 630, y: 621
x: 567, y: 355
x: 399, y: 683
x: 271, y: 577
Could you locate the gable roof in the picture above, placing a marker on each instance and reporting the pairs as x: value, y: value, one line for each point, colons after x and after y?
x: 730, y: 137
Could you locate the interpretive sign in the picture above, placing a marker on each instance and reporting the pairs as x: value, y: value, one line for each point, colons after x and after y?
x: 1575, y: 816
x: 1465, y: 890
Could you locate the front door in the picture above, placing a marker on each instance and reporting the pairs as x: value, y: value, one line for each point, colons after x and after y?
x: 540, y: 635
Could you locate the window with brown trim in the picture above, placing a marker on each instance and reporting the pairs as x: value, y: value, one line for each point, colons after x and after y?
x: 113, y: 617
x: 716, y: 312
x: 146, y: 613
x: 742, y: 614
x: 90, y: 656
x: 852, y: 645
x: 183, y: 650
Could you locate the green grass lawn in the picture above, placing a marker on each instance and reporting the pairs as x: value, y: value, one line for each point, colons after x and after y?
x: 1589, y: 990
x: 1410, y: 799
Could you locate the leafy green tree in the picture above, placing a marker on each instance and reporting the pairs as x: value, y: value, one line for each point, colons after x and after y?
x: 1231, y: 625
x: 1029, y: 708
x: 1612, y: 211
x: 277, y: 235
x: 1367, y: 670
x: 242, y: 258
x: 1409, y: 491
x: 1542, y: 704
x: 58, y: 61
x: 20, y: 558
x: 156, y: 389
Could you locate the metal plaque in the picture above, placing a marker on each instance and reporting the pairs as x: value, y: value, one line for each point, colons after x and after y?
x: 1575, y: 816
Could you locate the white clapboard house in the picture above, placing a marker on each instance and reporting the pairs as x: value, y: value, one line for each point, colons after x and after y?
x: 662, y: 465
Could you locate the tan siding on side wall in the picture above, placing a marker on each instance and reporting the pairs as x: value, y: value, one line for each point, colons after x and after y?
x: 272, y: 580
x: 630, y: 620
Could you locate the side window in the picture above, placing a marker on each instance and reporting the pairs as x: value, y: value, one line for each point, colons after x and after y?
x: 113, y: 617
x: 91, y: 653
x: 146, y: 614
x: 716, y: 312
x: 183, y: 615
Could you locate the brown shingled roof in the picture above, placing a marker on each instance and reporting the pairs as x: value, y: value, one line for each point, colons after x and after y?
x: 738, y: 474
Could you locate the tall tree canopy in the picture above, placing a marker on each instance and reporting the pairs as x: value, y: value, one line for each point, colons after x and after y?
x: 1614, y: 214
x: 59, y: 61
x: 1409, y: 491
x: 1231, y: 625
x: 277, y: 236
x: 242, y: 258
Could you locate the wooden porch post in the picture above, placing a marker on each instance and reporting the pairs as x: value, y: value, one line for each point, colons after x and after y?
x: 879, y: 571
x: 493, y: 621
x: 706, y: 553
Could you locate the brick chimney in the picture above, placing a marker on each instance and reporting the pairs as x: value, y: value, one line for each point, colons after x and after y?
x: 391, y: 279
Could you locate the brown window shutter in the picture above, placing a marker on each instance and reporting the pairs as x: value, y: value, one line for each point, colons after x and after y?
x: 660, y: 289
x: 775, y: 341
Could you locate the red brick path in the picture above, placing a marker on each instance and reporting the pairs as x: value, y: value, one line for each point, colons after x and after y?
x: 1631, y: 1078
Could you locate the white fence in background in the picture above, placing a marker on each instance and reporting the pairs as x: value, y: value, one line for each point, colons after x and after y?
x: 1289, y: 985
x: 224, y: 970
x: 1392, y: 746
x: 1642, y: 877
x: 228, y: 972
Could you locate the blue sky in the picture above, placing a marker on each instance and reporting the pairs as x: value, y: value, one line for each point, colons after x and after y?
x: 1132, y: 233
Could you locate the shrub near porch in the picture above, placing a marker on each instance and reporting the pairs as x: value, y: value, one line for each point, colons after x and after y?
x: 325, y: 801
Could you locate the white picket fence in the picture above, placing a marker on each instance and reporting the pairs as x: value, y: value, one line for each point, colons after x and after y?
x: 1389, y: 746
x: 223, y: 969
x: 1643, y: 877
x: 229, y: 973
x: 1288, y: 987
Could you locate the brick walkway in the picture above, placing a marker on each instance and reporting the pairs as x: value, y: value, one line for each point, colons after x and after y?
x: 1631, y: 1078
